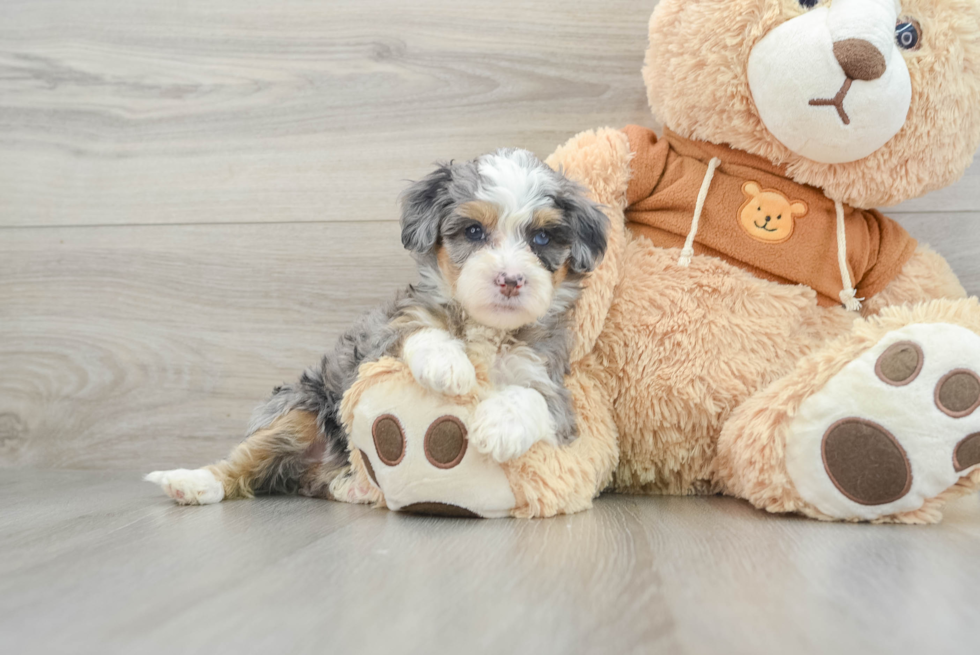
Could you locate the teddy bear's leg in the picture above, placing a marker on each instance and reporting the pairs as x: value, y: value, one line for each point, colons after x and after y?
x: 412, y: 445
x: 880, y: 425
x: 409, y: 444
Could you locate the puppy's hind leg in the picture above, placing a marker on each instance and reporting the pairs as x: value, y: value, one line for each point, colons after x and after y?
x: 273, y: 459
x: 295, y: 442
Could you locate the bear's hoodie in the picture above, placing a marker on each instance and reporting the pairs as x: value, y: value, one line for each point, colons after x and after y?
x: 757, y: 218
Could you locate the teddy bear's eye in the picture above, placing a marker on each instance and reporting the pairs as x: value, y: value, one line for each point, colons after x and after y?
x: 779, y: 217
x: 908, y: 33
x: 809, y: 4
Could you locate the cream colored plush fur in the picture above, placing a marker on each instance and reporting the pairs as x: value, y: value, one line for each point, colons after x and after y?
x: 686, y: 379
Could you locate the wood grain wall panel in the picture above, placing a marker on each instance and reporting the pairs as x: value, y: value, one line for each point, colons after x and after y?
x: 254, y: 111
x: 137, y: 345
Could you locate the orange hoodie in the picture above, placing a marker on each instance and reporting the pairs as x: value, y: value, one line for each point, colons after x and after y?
x: 756, y: 218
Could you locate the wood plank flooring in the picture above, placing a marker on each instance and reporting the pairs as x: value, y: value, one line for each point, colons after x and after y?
x: 100, y: 562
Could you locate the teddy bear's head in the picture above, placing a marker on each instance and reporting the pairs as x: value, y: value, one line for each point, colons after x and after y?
x: 874, y: 101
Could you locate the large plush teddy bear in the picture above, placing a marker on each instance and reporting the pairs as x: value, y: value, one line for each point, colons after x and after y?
x: 756, y: 329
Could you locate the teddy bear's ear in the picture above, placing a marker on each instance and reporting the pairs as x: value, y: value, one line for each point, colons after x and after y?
x: 424, y: 204
x: 799, y: 208
x: 751, y: 189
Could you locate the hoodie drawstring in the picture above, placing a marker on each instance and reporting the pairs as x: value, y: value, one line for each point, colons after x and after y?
x: 849, y: 293
x: 688, y: 250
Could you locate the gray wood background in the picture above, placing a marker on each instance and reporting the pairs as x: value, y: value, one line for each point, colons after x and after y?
x: 195, y: 197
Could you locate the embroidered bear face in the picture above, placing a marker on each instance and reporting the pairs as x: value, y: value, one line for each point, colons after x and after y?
x: 767, y: 215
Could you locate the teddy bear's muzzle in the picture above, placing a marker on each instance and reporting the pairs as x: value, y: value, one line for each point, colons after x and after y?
x: 842, y: 57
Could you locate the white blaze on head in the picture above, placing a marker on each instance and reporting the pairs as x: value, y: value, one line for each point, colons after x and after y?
x: 517, y: 184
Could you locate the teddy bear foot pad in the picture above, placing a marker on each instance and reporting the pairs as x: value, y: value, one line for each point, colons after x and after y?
x: 413, y: 446
x: 895, y: 427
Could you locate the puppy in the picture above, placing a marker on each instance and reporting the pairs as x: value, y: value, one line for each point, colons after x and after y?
x: 502, y: 244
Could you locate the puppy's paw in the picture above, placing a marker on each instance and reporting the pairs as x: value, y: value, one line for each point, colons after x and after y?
x: 349, y: 487
x: 439, y: 362
x: 566, y: 433
x: 189, y: 487
x: 508, y: 423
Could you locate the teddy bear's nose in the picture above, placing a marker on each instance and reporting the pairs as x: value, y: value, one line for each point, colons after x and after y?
x: 860, y: 59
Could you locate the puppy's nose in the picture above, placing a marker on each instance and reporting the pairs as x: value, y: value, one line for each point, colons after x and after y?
x: 510, y: 285
x: 860, y: 59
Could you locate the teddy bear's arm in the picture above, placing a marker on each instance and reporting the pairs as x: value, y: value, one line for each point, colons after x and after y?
x: 547, y: 481
x: 599, y: 160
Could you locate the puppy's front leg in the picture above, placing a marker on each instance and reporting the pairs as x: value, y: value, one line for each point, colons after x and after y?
x: 510, y: 421
x: 439, y: 362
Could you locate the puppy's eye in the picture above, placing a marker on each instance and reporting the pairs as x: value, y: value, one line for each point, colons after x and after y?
x: 475, y: 233
x: 541, y: 239
x: 908, y: 33
x: 809, y: 4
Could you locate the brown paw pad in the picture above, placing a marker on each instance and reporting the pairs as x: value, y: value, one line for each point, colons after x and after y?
x: 389, y: 439
x: 440, y: 509
x: 445, y: 442
x: 369, y: 468
x: 865, y: 462
x: 958, y: 393
x: 900, y: 364
x: 967, y: 453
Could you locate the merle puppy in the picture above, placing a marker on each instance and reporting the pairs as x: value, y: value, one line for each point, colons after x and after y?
x: 502, y: 244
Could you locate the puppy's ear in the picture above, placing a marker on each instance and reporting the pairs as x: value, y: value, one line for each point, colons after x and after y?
x: 424, y: 204
x: 589, y: 228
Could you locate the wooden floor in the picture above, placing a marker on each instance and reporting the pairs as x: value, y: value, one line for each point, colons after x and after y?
x: 195, y: 197
x: 99, y: 562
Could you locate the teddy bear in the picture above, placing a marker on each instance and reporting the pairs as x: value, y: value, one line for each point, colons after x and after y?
x: 757, y: 328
